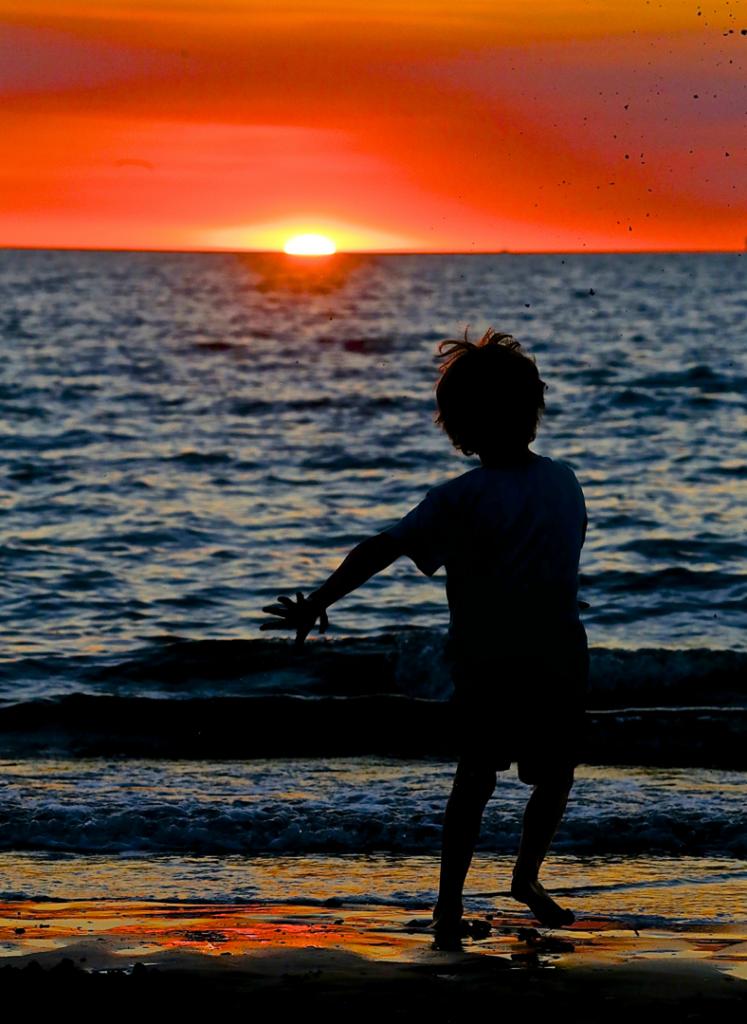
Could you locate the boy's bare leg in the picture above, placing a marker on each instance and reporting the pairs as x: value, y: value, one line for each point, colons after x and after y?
x: 542, y: 816
x: 473, y: 787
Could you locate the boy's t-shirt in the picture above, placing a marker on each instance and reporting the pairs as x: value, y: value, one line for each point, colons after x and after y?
x: 509, y: 538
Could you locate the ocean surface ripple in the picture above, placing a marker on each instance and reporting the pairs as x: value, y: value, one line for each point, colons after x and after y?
x: 185, y: 436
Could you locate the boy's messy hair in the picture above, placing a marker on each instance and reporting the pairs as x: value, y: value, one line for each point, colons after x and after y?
x: 490, y: 396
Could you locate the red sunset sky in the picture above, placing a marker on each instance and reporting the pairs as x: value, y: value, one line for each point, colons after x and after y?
x: 472, y: 125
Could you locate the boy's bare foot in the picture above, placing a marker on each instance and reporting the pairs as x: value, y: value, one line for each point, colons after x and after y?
x: 448, y: 934
x: 540, y: 902
x: 449, y: 925
x: 447, y: 914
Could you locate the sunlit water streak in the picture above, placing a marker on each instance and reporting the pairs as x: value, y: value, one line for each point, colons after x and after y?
x: 634, y: 892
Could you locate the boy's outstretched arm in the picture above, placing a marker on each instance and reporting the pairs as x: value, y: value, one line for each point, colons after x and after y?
x: 365, y: 560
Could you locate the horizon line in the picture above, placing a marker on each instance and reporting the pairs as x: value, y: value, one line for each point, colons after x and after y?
x: 371, y: 252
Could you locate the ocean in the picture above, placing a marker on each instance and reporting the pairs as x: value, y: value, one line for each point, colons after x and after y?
x: 186, y: 436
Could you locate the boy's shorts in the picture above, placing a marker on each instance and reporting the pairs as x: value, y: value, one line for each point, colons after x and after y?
x: 525, y: 711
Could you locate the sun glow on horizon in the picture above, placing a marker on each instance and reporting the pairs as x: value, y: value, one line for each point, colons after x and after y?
x: 170, y: 125
x: 310, y: 245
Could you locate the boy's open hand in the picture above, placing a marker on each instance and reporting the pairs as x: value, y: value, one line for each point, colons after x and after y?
x: 300, y: 616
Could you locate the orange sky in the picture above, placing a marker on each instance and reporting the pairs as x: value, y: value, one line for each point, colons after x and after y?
x: 467, y: 126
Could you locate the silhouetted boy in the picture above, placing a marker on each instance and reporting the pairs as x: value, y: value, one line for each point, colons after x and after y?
x: 509, y: 534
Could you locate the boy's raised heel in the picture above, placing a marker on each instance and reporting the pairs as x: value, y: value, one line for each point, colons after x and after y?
x: 534, y: 895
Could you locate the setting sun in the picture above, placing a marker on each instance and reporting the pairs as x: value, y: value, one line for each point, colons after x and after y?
x: 309, y: 245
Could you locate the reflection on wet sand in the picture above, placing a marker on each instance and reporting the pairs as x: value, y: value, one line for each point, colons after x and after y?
x: 101, y: 934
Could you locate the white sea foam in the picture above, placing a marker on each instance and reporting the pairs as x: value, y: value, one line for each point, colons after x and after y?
x: 366, y: 805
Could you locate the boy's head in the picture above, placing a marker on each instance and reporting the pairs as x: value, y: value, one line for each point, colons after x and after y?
x: 490, y: 396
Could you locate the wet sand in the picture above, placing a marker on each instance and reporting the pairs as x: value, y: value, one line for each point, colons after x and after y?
x: 332, y: 962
